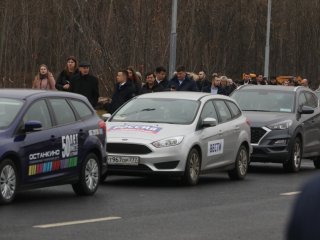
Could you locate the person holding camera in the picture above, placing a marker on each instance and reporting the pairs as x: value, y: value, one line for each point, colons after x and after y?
x: 71, y: 69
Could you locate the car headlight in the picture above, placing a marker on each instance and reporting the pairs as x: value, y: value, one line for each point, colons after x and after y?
x: 281, y: 125
x: 168, y: 142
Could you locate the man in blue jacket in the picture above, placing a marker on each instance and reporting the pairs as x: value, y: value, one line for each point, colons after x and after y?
x: 181, y: 82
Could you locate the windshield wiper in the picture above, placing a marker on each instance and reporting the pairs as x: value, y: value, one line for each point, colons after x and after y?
x: 256, y: 110
x: 148, y: 109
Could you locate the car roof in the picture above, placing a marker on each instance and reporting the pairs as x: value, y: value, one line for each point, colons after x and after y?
x: 181, y: 95
x: 272, y: 87
x: 22, y: 93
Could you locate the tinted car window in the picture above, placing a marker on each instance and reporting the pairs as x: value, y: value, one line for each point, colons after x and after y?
x: 209, y: 111
x: 82, y: 109
x: 234, y: 109
x: 223, y: 110
x: 62, y: 111
x: 311, y: 100
x: 9, y: 109
x: 39, y: 112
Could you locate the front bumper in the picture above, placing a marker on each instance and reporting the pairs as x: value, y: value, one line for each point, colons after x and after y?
x: 160, y: 161
x: 273, y: 147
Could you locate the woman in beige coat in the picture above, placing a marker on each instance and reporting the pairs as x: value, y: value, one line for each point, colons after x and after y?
x: 44, y: 79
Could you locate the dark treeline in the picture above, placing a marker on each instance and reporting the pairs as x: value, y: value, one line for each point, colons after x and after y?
x: 226, y: 36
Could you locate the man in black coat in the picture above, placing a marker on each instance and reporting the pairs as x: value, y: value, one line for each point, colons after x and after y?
x: 151, y: 84
x: 202, y: 81
x: 181, y: 82
x: 305, y: 219
x: 85, y: 84
x: 123, y: 91
x: 161, y: 77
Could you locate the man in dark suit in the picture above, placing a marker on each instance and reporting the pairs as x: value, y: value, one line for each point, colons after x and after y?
x: 123, y: 91
x: 305, y: 218
x: 85, y: 84
x: 181, y: 82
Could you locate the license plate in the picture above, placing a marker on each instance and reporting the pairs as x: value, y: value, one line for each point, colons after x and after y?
x: 123, y: 160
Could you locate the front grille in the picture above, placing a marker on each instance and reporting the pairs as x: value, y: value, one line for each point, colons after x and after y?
x: 140, y: 167
x: 257, y: 134
x: 127, y: 148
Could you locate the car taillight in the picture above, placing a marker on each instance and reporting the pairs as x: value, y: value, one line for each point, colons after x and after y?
x: 102, y: 125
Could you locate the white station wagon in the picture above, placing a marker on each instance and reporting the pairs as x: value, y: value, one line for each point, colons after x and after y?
x: 178, y: 133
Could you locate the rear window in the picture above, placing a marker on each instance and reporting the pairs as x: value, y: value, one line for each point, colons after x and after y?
x: 234, y: 109
x: 82, y: 109
x: 9, y: 108
x: 223, y: 110
x: 62, y: 111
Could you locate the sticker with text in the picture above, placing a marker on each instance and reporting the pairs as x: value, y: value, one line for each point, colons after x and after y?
x: 139, y: 128
x: 215, y: 147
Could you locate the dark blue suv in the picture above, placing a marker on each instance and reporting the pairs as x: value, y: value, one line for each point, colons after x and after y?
x: 49, y: 138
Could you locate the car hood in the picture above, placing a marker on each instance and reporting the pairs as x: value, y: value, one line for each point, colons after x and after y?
x: 134, y: 131
x: 260, y: 119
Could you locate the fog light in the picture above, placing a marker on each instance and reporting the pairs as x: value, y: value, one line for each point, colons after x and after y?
x: 281, y: 141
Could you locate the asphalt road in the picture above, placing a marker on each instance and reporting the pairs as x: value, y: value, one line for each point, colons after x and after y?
x: 154, y: 208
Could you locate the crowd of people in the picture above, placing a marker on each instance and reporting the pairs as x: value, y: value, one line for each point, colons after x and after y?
x: 129, y: 83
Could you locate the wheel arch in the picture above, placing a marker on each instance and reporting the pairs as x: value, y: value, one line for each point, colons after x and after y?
x: 198, y: 148
x: 16, y: 160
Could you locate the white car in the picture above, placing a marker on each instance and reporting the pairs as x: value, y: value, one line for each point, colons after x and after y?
x: 178, y: 133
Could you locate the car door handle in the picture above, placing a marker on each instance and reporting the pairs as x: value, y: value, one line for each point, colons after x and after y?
x: 237, y: 129
x: 220, y: 133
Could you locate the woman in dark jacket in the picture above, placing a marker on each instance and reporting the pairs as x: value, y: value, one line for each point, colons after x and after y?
x: 134, y: 80
x: 71, y: 69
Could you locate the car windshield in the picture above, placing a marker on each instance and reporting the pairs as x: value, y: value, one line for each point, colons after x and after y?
x: 264, y: 100
x: 9, y: 109
x: 155, y: 110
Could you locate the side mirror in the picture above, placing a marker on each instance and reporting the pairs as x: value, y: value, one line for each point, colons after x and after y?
x: 209, y: 122
x: 32, y: 126
x: 306, y: 110
x: 106, y: 116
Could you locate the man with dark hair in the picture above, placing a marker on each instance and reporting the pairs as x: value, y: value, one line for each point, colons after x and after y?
x: 151, y: 84
x: 181, y: 82
x: 202, y: 80
x: 123, y: 91
x: 260, y: 80
x: 273, y: 81
x: 247, y: 79
x: 85, y: 84
x: 161, y: 77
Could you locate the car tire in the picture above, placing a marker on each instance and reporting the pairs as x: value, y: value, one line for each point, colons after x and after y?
x: 8, y: 181
x: 241, y: 164
x: 294, y: 162
x: 89, y: 176
x: 192, y: 169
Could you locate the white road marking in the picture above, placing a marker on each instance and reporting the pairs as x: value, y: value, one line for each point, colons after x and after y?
x: 62, y: 224
x: 290, y: 193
